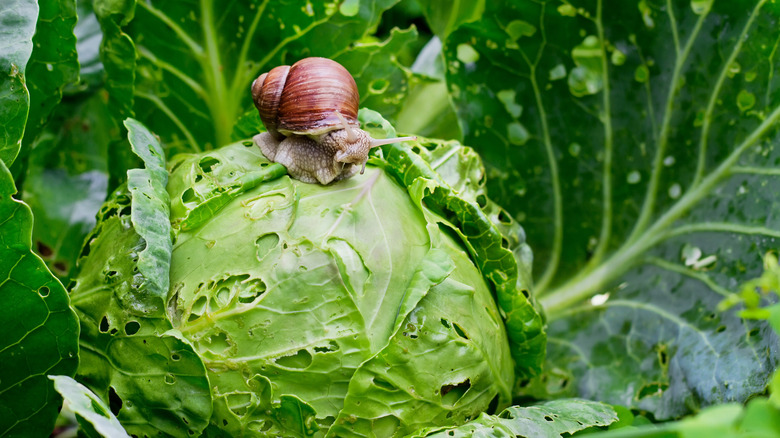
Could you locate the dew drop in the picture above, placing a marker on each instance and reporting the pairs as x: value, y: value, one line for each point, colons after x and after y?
x: 634, y: 177
x: 675, y: 191
x: 669, y: 161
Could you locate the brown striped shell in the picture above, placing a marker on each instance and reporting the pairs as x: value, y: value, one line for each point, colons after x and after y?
x: 303, y: 99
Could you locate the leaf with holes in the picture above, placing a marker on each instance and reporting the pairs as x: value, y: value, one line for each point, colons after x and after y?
x: 39, y: 333
x: 638, y: 144
x: 191, y: 79
x: 152, y: 378
x: 556, y: 418
x: 313, y: 308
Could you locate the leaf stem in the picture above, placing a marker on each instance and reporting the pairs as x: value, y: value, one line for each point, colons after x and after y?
x: 555, y: 255
x: 596, y: 280
x: 195, y: 47
x: 606, y: 118
x: 705, y: 129
x: 663, y: 139
x: 223, y: 110
x: 239, y: 78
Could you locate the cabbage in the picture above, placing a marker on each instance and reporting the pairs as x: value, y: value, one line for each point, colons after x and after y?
x: 363, y: 308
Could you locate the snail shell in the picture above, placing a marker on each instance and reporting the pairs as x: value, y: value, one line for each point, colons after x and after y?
x: 310, y: 113
x: 303, y: 99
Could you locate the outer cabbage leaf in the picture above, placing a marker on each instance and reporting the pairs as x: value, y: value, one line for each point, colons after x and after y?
x: 652, y: 129
x: 17, y: 25
x: 551, y: 419
x: 191, y: 79
x: 474, y: 220
x: 53, y: 63
x: 151, y: 377
x: 39, y: 333
x: 93, y: 414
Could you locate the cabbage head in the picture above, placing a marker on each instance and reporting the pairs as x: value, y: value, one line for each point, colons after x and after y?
x: 219, y: 297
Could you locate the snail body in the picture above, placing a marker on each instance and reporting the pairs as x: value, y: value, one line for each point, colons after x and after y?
x: 309, y: 110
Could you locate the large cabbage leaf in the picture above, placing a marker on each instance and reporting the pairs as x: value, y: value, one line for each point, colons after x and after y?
x: 39, y: 332
x: 636, y: 141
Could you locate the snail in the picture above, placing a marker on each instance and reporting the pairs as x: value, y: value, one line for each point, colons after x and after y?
x: 310, y: 112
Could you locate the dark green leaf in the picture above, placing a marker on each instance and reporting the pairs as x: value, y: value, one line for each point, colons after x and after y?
x: 39, y: 332
x: 552, y: 419
x: 17, y: 25
x: 445, y: 16
x: 382, y: 81
x: 67, y: 179
x: 638, y: 147
x: 88, y: 39
x: 93, y: 414
x: 54, y: 61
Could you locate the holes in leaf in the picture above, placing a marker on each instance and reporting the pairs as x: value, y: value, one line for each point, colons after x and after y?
x: 482, y: 201
x: 265, y: 244
x: 505, y: 243
x: 248, y: 143
x: 504, y: 217
x: 753, y: 333
x: 103, y: 325
x: 218, y: 343
x: 548, y: 418
x: 43, y: 291
x: 445, y: 323
x: 44, y: 250
x: 385, y: 426
x: 189, y: 196
x: 384, y: 384
x: 207, y: 164
x: 663, y: 356
x: 450, y: 394
x: 299, y: 360
x: 239, y: 402
x: 199, y: 305
x: 170, y: 379
x: 175, y: 357
x: 327, y: 422
x: 652, y: 389
x: 720, y: 329
x: 132, y: 328
x: 525, y: 293
x: 491, y: 410
x: 62, y: 267
x: 198, y: 178
x: 459, y: 330
x: 378, y: 86
x: 114, y: 401
x: 251, y: 290
x: 331, y: 347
